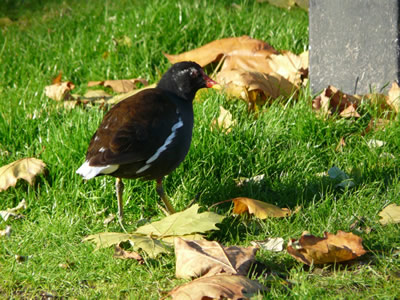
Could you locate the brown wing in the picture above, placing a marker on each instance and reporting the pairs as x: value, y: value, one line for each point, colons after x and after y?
x: 133, y: 130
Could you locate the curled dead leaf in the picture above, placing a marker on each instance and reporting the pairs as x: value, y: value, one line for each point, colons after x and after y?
x: 261, y: 210
x: 123, y: 254
x: 208, y: 258
x: 25, y: 168
x: 331, y: 248
x: 214, y: 51
x: 218, y: 287
x: 331, y: 101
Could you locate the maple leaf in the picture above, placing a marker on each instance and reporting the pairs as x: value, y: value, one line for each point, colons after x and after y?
x: 218, y: 287
x: 157, y: 237
x: 120, y: 86
x: 332, y: 248
x: 390, y: 214
x: 208, y: 258
x: 215, y: 50
x: 25, y: 168
x: 261, y: 210
x: 182, y: 223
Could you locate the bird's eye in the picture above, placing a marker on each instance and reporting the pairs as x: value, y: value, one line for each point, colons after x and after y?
x: 194, y: 73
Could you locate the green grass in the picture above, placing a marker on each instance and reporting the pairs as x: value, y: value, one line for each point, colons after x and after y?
x: 287, y: 143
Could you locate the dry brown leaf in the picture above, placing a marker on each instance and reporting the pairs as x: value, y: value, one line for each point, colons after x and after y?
x: 331, y: 101
x: 6, y: 232
x: 25, y: 168
x: 224, y: 121
x: 255, y: 87
x: 123, y: 254
x: 208, y: 258
x: 57, y: 79
x: 393, y: 99
x: 390, y: 214
x: 59, y: 91
x: 376, y: 124
x: 214, y: 51
x: 332, y: 248
x: 217, y: 287
x: 120, y: 86
x: 261, y: 210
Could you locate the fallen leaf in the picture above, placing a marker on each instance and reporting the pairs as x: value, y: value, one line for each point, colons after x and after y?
x: 331, y: 101
x: 96, y: 94
x: 123, y: 41
x: 218, y: 287
x: 390, y: 214
x: 209, y: 258
x: 261, y: 210
x: 6, y: 231
x: 332, y: 248
x: 224, y: 121
x: 13, y: 212
x: 255, y: 87
x: 109, y: 219
x: 119, y: 98
x: 59, y: 91
x: 120, y: 86
x: 270, y: 244
x: 393, y: 99
x: 243, y: 181
x: 5, y: 21
x: 153, y: 247
x: 25, y: 168
x: 182, y: 223
x: 214, y: 51
x: 57, y: 79
x: 123, y: 254
x: 344, y: 180
x: 375, y: 125
x: 157, y: 237
x: 375, y: 143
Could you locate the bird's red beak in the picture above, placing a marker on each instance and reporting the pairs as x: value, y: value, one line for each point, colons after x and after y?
x: 211, y: 83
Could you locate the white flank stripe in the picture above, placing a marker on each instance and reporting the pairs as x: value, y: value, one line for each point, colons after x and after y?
x: 142, y: 169
x: 102, y: 149
x: 88, y: 172
x: 168, y: 141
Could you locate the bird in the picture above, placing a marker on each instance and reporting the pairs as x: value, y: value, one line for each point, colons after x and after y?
x: 148, y: 134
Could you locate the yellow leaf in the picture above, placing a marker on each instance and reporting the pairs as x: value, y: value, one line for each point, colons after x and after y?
x: 25, y: 168
x: 390, y: 214
x: 224, y: 121
x: 261, y: 210
x: 393, y: 99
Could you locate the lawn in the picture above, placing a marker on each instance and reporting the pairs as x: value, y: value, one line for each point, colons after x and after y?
x: 287, y: 142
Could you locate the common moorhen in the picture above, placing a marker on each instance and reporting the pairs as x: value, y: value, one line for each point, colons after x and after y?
x: 148, y: 134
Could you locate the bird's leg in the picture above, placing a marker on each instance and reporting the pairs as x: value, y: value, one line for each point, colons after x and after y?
x: 164, y: 197
x: 119, y: 186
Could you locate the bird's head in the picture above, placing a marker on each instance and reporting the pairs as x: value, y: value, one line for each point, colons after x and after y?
x: 185, y: 79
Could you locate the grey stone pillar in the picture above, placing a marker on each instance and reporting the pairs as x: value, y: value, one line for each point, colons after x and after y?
x: 354, y: 44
